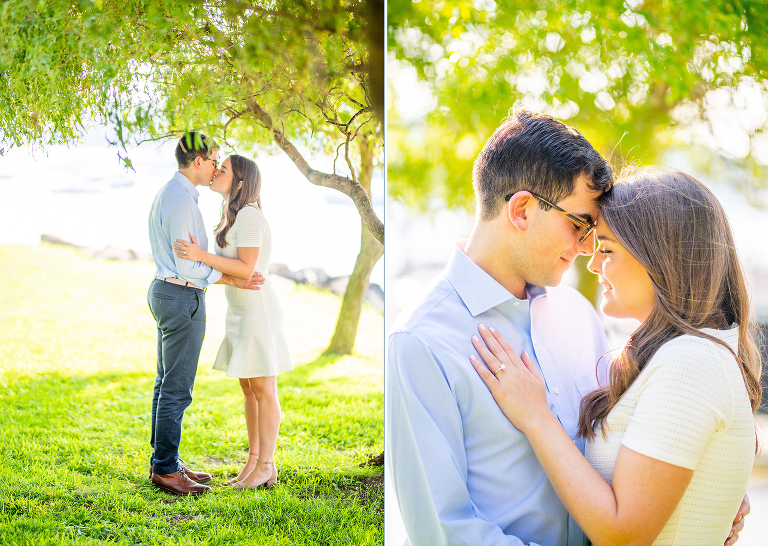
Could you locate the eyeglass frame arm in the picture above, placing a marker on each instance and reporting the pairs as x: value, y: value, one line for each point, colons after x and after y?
x: 590, y: 226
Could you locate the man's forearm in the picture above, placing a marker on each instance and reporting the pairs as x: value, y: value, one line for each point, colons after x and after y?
x: 226, y: 279
x: 254, y: 283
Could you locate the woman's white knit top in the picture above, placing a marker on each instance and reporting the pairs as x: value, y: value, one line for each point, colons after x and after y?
x: 689, y: 407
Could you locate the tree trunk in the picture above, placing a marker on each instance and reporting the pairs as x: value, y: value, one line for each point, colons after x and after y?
x: 370, y: 251
x: 376, y: 55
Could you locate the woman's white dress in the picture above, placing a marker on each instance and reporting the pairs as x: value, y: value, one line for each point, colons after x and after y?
x: 254, y: 344
x: 688, y: 407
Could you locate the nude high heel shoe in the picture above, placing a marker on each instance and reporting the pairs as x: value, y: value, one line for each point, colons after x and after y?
x: 273, y: 480
x: 236, y: 479
x: 266, y: 484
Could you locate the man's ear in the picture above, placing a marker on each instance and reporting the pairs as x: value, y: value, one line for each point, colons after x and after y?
x: 519, y: 209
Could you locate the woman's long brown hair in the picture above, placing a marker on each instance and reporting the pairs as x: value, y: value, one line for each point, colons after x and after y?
x: 246, y: 170
x: 676, y: 228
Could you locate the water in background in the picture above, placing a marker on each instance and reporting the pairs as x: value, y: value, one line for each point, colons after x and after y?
x: 83, y: 195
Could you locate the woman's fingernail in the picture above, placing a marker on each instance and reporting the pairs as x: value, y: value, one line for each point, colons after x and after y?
x: 472, y: 358
x: 475, y: 338
x: 492, y: 329
x: 482, y: 327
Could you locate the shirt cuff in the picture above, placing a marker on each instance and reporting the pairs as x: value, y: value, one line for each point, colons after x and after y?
x: 213, y: 277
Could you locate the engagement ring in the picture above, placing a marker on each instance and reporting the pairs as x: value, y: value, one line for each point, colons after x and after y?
x: 502, y: 367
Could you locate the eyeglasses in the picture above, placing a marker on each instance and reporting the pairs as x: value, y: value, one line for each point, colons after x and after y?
x: 215, y: 161
x: 590, y: 227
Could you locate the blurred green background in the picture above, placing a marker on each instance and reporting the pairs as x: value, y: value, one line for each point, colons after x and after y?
x: 680, y: 83
x: 683, y: 83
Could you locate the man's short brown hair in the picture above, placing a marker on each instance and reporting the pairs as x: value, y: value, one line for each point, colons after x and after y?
x: 536, y: 153
x: 191, y: 145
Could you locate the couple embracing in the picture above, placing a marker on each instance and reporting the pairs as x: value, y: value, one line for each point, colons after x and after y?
x: 510, y: 422
x: 254, y: 348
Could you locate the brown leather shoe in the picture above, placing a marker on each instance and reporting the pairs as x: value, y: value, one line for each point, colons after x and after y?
x: 178, y: 483
x: 199, y: 477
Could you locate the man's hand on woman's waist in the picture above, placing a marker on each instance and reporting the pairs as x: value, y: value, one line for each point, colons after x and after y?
x: 254, y: 283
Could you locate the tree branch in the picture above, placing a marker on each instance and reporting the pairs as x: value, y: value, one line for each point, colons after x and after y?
x: 341, y: 183
x: 338, y: 148
x: 230, y: 120
x: 163, y: 137
x: 346, y: 157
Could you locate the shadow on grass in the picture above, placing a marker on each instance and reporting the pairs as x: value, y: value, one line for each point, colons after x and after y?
x: 74, y: 441
x: 73, y: 455
x: 98, y: 427
x: 301, y: 373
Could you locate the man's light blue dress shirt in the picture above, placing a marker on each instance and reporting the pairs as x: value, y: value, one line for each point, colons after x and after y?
x: 174, y: 215
x: 462, y: 474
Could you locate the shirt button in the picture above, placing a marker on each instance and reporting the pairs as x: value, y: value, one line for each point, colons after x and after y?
x: 516, y: 303
x: 557, y: 391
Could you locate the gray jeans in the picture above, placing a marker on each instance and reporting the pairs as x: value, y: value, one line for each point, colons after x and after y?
x: 180, y: 315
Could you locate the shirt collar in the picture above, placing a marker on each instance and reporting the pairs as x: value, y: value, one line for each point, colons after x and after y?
x: 186, y: 183
x: 477, y: 289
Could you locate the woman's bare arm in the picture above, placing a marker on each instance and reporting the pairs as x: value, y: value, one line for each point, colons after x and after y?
x: 633, y: 510
x: 243, y: 266
x: 645, y: 491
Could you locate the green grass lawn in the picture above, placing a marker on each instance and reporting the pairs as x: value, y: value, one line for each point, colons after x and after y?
x: 77, y: 368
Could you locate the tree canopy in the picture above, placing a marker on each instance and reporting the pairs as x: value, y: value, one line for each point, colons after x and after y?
x: 632, y: 76
x: 251, y: 71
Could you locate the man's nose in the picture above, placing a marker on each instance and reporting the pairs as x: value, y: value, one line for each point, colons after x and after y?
x: 587, y: 246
